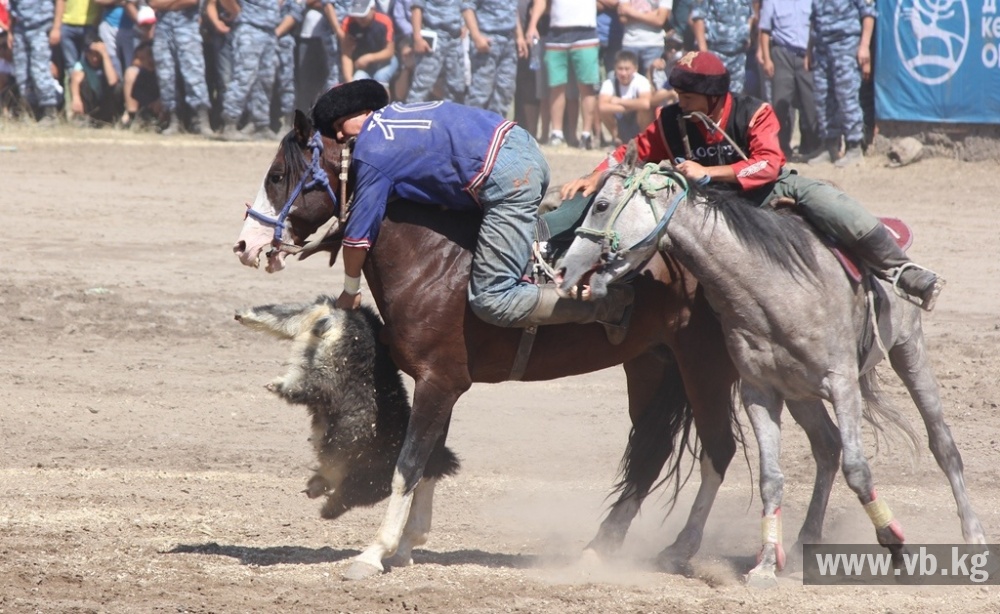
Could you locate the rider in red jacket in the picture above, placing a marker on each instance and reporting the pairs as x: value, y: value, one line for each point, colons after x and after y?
x: 731, y: 141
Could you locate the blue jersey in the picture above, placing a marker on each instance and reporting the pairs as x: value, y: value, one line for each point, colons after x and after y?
x: 438, y: 153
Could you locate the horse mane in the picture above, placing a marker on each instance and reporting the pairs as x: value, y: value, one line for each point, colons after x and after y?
x: 292, y: 152
x: 783, y: 239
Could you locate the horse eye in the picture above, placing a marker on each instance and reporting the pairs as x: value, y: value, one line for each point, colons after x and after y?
x: 601, y: 206
x: 275, y: 177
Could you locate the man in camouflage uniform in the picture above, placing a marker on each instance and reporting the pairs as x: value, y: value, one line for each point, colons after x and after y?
x: 292, y: 12
x: 444, y: 18
x: 840, y: 56
x: 496, y: 36
x: 32, y: 22
x: 255, y: 62
x: 723, y: 27
x: 178, y: 42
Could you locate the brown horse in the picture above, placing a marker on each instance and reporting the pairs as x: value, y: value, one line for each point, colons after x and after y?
x: 418, y: 273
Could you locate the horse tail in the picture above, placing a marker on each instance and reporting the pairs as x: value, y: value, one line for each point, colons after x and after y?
x: 882, y: 414
x: 663, y: 429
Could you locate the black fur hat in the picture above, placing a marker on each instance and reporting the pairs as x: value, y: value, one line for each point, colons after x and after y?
x: 700, y: 72
x: 345, y: 100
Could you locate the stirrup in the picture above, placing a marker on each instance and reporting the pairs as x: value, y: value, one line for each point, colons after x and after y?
x: 925, y: 302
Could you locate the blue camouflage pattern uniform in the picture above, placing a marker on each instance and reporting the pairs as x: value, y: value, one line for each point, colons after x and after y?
x: 836, y: 35
x: 285, y: 66
x: 178, y: 42
x: 255, y: 61
x: 332, y: 45
x: 494, y: 73
x: 727, y: 33
x: 32, y: 22
x: 445, y: 18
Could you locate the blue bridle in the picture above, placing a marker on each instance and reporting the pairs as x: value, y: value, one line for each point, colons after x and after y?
x: 313, y: 177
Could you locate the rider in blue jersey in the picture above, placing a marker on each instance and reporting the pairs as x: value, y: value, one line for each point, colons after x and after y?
x: 463, y: 159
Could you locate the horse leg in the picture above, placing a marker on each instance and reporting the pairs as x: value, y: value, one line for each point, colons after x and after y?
x: 824, y: 439
x: 418, y: 524
x: 652, y: 394
x: 764, y: 410
x: 847, y: 404
x: 428, y: 422
x: 709, y: 376
x: 909, y: 360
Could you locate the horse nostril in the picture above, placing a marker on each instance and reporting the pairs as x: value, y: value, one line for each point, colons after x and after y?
x: 240, y: 247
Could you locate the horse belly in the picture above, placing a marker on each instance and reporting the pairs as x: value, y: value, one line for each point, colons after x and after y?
x: 767, y: 365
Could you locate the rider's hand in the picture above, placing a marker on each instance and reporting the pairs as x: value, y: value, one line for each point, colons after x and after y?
x: 587, y: 185
x: 692, y: 170
x: 349, y: 301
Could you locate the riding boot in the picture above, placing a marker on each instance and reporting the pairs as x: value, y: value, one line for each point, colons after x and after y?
x: 879, y: 250
x: 613, y: 311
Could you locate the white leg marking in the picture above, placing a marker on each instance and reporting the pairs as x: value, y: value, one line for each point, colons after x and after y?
x: 389, y: 534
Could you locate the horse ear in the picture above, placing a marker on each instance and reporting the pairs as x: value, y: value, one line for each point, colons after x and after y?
x: 631, y: 155
x: 303, y: 127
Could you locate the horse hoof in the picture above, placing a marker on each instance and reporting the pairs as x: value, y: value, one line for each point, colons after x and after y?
x: 359, y: 570
x: 398, y: 560
x: 761, y: 579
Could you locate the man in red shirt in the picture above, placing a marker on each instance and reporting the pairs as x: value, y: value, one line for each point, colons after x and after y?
x: 732, y: 141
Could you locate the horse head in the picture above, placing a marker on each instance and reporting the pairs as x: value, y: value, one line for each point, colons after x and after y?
x: 297, y: 196
x: 615, y: 238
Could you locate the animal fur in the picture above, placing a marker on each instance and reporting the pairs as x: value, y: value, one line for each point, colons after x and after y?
x: 355, y: 396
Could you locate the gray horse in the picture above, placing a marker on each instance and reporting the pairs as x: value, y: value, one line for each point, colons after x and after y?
x: 793, y: 323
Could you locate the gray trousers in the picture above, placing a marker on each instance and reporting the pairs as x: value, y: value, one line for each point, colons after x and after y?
x: 826, y: 207
x: 792, y: 88
x: 510, y: 199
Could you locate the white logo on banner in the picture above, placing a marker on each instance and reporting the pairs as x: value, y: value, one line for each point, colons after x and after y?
x: 932, y: 37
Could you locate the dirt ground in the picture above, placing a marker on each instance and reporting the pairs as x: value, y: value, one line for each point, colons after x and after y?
x: 144, y: 467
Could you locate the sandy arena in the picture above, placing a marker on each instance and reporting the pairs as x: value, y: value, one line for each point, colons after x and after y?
x: 145, y: 468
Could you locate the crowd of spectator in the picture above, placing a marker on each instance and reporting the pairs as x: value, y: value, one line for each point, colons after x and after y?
x: 586, y: 73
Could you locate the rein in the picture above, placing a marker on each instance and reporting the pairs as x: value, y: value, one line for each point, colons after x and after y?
x: 636, y: 183
x: 313, y: 178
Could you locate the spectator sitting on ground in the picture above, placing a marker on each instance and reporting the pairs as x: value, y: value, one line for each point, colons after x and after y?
x: 95, y: 88
x: 624, y: 99
x: 368, y: 49
x: 142, y: 92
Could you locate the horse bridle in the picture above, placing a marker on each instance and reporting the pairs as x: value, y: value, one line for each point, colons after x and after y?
x: 637, y: 182
x: 313, y: 178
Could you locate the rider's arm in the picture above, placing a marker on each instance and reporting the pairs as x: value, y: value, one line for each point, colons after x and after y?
x: 371, y: 192
x: 764, y: 151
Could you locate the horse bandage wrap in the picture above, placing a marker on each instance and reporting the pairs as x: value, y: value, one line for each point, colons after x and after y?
x: 878, y: 510
x: 770, y: 528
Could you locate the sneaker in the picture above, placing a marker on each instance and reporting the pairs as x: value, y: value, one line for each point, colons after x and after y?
x: 556, y: 140
x: 586, y: 142
x: 852, y: 157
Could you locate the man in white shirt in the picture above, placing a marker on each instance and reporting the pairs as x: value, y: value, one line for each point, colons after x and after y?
x: 624, y: 100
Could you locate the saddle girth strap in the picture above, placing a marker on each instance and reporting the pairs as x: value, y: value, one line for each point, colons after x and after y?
x: 523, y: 353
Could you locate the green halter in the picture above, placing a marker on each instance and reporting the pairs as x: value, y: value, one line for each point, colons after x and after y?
x: 634, y: 183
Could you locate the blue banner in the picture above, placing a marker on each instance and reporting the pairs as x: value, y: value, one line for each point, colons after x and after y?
x: 938, y: 61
